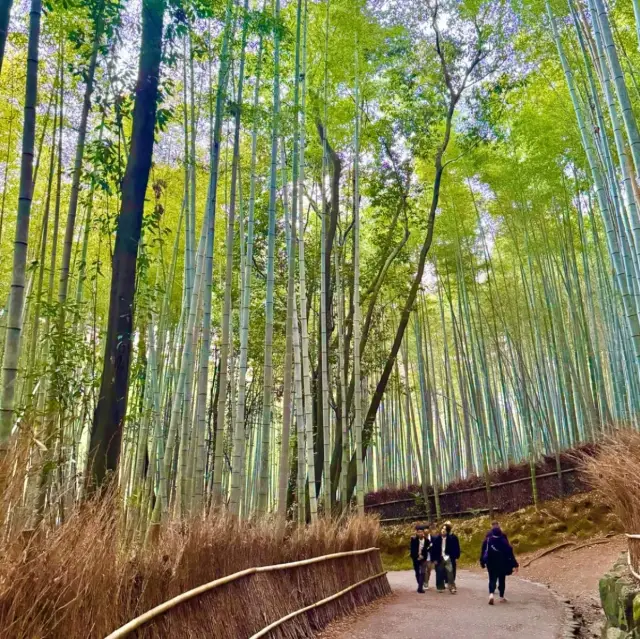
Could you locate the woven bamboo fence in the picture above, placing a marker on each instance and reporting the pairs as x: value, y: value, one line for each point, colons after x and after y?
x: 506, y: 496
x: 283, y: 601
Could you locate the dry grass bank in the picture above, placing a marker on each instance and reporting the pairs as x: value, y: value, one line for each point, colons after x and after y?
x: 77, y: 581
x: 614, y: 474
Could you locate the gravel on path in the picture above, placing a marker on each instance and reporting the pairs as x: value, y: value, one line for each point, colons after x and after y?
x: 531, y: 612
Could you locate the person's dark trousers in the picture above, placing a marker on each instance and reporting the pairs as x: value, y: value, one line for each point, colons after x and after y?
x: 499, y: 578
x: 441, y: 575
x: 419, y: 567
x: 453, y: 570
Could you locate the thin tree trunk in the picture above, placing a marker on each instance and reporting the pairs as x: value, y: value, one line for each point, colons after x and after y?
x: 17, y: 295
x: 357, y: 422
x: 5, y: 15
x: 77, y: 167
x: 267, y: 397
x: 283, y: 478
x: 106, y: 434
x: 238, y: 453
x: 226, y: 314
x: 302, y: 277
x: 203, y: 374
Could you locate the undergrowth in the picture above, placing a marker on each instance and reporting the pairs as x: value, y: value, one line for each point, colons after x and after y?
x: 577, y: 517
x: 614, y: 474
x: 78, y: 580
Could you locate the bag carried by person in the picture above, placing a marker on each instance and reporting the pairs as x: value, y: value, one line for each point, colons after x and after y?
x: 500, y: 553
x: 508, y: 567
x: 510, y: 563
x: 494, y: 554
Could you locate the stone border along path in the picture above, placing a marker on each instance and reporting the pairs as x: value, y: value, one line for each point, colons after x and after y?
x: 532, y: 611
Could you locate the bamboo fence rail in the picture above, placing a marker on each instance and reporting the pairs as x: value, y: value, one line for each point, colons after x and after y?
x: 326, y: 600
x: 633, y: 555
x: 161, y: 609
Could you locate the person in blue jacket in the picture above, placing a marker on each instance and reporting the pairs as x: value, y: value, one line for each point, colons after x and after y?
x: 498, y: 558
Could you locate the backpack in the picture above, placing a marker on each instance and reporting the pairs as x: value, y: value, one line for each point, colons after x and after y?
x: 492, y: 552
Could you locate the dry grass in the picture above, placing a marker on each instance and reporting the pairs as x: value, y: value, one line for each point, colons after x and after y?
x: 614, y: 472
x: 78, y: 581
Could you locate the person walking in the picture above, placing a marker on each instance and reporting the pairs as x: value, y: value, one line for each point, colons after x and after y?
x: 449, y: 549
x: 418, y: 550
x: 434, y: 563
x: 453, y: 548
x: 498, y: 558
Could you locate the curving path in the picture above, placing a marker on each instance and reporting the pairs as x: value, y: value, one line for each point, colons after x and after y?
x: 532, y: 611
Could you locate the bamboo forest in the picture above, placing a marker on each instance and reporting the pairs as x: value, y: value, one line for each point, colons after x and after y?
x: 269, y: 256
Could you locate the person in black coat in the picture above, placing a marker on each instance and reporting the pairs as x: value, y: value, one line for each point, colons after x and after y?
x: 418, y: 549
x: 452, y: 547
x: 450, y: 556
x: 434, y: 560
x: 498, y: 558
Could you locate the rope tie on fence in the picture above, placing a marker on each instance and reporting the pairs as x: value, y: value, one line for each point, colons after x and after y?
x: 200, y: 590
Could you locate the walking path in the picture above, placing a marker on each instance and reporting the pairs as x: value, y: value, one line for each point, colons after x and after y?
x: 532, y: 611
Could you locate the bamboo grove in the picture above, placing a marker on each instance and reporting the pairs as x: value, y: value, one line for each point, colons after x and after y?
x: 269, y: 256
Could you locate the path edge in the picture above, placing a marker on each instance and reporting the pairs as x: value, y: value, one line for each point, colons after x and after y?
x: 571, y: 623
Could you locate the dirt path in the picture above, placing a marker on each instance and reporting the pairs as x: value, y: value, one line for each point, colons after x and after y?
x: 532, y: 611
x: 574, y: 574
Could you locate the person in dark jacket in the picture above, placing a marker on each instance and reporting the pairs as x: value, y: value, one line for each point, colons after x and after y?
x: 498, y: 558
x: 446, y: 565
x: 453, y: 547
x: 434, y: 560
x: 418, y: 549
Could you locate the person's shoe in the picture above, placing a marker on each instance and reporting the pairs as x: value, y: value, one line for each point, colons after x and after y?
x: 491, y: 600
x: 503, y: 600
x: 440, y: 591
x: 426, y: 588
x: 453, y: 591
x: 421, y: 591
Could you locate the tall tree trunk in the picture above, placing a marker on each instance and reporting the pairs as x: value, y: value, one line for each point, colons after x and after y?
x: 203, y: 376
x: 238, y: 424
x: 283, y: 479
x: 357, y: 422
x: 77, y: 168
x: 267, y: 395
x: 302, y: 277
x: 108, y: 421
x: 411, y: 297
x: 17, y: 296
x: 226, y: 313
x: 5, y: 15
x: 35, y: 329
